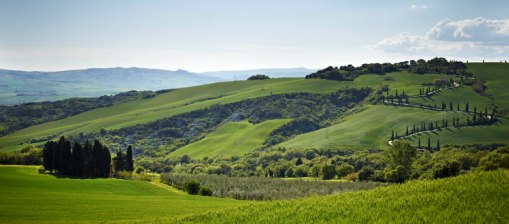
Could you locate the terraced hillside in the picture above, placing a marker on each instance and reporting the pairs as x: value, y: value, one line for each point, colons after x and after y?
x: 27, y: 196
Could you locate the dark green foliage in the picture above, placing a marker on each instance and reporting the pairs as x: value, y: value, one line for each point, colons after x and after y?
x: 435, y: 65
x: 21, y: 116
x: 328, y: 172
x: 129, y: 159
x: 495, y: 160
x: 205, y: 191
x: 27, y: 156
x: 258, y: 77
x: 86, y: 161
x: 366, y: 173
x: 401, y: 156
x: 192, y: 187
x: 446, y: 169
x: 344, y: 170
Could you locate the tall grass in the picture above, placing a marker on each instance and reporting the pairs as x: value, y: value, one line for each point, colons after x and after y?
x: 481, y: 197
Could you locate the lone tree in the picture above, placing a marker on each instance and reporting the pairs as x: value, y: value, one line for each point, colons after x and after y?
x: 129, y: 159
x: 401, y: 156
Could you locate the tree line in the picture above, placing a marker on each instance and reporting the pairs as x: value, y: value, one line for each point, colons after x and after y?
x: 83, y: 160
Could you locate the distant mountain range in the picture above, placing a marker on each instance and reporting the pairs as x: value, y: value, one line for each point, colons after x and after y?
x: 21, y: 86
x: 272, y: 72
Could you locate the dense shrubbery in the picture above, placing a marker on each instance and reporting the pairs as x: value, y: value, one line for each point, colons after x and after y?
x: 27, y: 156
x: 21, y: 116
x: 435, y: 65
x: 258, y: 77
x: 259, y: 188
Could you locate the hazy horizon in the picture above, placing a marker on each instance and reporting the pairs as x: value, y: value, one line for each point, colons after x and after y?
x: 203, y: 36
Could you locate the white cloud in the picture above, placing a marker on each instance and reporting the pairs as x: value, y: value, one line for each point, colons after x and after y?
x: 416, y: 7
x: 464, y: 38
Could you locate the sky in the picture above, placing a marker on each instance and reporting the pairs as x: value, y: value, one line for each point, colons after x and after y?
x: 205, y: 35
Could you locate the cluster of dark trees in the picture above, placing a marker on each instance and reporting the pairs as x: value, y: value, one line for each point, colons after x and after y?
x: 124, y: 161
x: 17, y: 117
x: 87, y: 160
x: 258, y: 77
x: 421, y: 66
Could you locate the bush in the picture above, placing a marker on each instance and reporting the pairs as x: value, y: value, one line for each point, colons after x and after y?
x: 495, y: 160
x: 205, y: 191
x: 192, y: 187
x: 126, y: 175
x: 446, y: 169
x: 365, y: 173
x: 328, y: 172
x: 344, y: 170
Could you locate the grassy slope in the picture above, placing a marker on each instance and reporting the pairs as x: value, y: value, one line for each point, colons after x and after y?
x: 497, y: 81
x: 370, y: 128
x: 461, y: 94
x: 471, y: 198
x: 164, y: 105
x: 232, y: 138
x: 26, y: 196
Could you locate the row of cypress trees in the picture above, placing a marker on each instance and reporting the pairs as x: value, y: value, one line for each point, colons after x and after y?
x: 83, y: 160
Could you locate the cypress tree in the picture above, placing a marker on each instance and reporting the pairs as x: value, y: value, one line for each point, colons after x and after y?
x: 119, y: 161
x: 429, y: 143
x: 475, y: 109
x: 458, y: 108
x: 450, y: 106
x: 419, y: 144
x: 438, y: 145
x: 392, y: 135
x: 88, y: 159
x: 77, y: 160
x: 129, y: 159
x: 66, y: 158
x: 406, y: 133
x: 49, y: 155
x: 106, y: 162
x: 466, y: 107
x: 97, y: 158
x: 59, y: 154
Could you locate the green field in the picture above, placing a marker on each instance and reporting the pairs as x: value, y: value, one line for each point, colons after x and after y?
x: 370, y: 128
x: 496, y: 76
x: 27, y: 196
x: 460, y: 95
x: 164, y: 105
x: 232, y: 138
x: 473, y: 198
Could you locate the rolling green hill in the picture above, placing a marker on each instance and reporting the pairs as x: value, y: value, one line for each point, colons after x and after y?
x: 496, y: 76
x: 232, y: 138
x: 473, y: 198
x: 460, y: 95
x: 370, y: 128
x: 27, y: 196
x: 163, y: 105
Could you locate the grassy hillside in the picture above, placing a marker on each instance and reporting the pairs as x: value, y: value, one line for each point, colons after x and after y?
x: 460, y: 95
x: 370, y: 128
x: 27, y: 196
x: 472, y: 198
x: 164, y: 105
x: 232, y: 138
x: 497, y: 80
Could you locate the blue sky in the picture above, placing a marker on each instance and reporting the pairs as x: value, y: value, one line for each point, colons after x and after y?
x: 240, y: 34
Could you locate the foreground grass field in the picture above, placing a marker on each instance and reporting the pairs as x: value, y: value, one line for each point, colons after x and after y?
x: 27, y: 197
x: 232, y: 138
x: 370, y: 128
x: 471, y: 198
